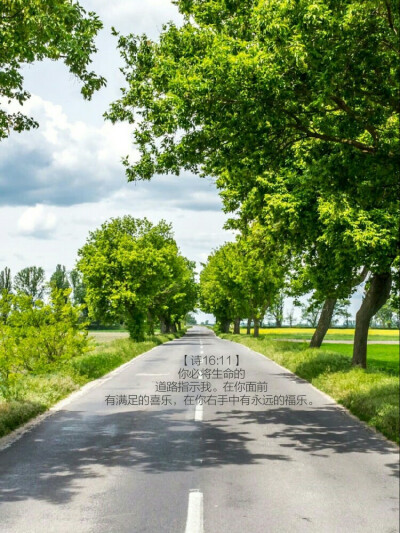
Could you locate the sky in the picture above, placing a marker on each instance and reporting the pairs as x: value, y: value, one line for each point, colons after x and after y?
x: 66, y: 178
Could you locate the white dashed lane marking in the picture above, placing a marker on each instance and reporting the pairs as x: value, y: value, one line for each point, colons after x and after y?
x: 194, y: 521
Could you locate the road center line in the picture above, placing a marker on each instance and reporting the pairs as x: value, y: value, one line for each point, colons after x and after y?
x: 194, y: 521
x: 198, y: 413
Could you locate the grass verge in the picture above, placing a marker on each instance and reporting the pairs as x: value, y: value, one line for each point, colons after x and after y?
x: 372, y: 395
x: 35, y: 393
x: 381, y: 357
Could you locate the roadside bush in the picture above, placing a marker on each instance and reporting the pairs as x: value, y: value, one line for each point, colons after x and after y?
x: 34, y: 336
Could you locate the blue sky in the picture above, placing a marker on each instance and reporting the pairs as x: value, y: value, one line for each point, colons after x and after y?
x: 63, y: 180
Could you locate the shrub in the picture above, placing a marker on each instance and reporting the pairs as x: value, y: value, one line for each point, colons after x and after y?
x: 35, y: 336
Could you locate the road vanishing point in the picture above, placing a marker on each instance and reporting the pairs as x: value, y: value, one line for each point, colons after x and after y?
x: 239, y: 444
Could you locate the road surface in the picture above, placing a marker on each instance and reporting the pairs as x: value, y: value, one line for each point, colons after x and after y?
x: 241, y: 465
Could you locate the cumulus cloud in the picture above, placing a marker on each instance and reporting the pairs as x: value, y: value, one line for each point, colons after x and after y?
x: 62, y: 163
x: 37, y: 222
x: 68, y: 162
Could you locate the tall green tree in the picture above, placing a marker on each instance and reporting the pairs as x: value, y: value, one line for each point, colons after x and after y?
x: 129, y: 267
x: 78, y: 291
x: 34, y: 30
x: 177, y: 295
x: 267, y: 96
x: 59, y: 278
x: 5, y: 280
x: 221, y: 287
x: 30, y: 281
x: 310, y: 312
x: 275, y: 311
x: 241, y: 280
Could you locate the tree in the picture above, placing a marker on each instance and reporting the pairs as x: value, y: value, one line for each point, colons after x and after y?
x: 310, y: 312
x: 177, y: 296
x: 37, y: 336
x: 5, y: 280
x: 240, y: 280
x: 59, y: 278
x: 386, y: 316
x: 220, y: 289
x: 34, y: 30
x: 290, y: 316
x: 191, y: 319
x: 129, y: 267
x: 30, y: 281
x: 342, y: 312
x: 78, y: 292
x: 233, y: 65
x: 276, y: 310
x: 253, y: 93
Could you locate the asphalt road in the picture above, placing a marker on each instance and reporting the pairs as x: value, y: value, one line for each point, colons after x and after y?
x: 282, y: 458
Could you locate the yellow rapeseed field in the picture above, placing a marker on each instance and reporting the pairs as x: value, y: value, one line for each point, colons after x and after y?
x: 296, y: 331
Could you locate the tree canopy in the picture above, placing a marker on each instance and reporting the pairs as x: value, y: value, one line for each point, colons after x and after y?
x: 245, y: 82
x: 33, y: 30
x: 293, y: 108
x: 241, y: 280
x: 30, y: 281
x: 133, y: 272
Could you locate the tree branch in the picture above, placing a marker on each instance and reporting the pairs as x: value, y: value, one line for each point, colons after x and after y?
x: 344, y: 107
x: 332, y: 138
x: 390, y: 17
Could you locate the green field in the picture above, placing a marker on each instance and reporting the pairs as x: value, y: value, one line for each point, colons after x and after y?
x: 372, y: 395
x: 383, y: 357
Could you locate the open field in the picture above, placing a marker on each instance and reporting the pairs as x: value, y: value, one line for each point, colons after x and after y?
x: 372, y: 394
x: 380, y: 356
x: 332, y: 334
x: 101, y: 337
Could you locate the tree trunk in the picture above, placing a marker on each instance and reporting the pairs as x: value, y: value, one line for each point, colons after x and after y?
x: 248, y: 326
x: 278, y: 322
x: 236, y: 326
x: 376, y: 296
x: 256, y: 327
x: 323, y: 322
x: 135, y: 323
x: 173, y: 327
x: 225, y: 326
x: 163, y: 326
x: 150, y: 324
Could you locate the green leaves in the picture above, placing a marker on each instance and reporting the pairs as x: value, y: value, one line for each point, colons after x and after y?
x: 35, y: 336
x: 241, y: 279
x: 133, y: 272
x: 33, y: 30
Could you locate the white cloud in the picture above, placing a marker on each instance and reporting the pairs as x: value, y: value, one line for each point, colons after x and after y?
x: 68, y: 162
x: 135, y: 16
x: 37, y: 221
x: 64, y: 162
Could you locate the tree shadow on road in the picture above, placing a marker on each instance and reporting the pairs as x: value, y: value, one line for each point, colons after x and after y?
x: 53, y: 460
x: 316, y: 431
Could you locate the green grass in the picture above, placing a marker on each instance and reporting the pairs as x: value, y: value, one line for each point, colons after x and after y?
x: 34, y: 394
x: 381, y: 357
x: 106, y: 330
x: 372, y: 395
